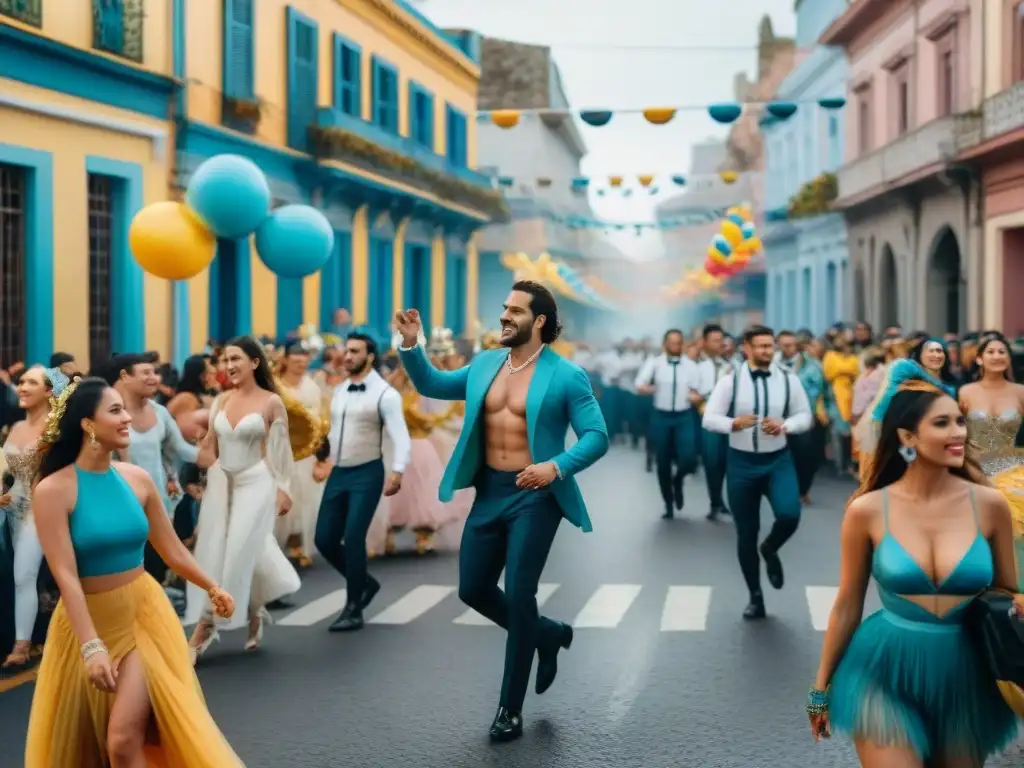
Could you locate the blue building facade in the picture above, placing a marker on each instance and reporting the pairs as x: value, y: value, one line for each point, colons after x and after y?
x: 808, y: 273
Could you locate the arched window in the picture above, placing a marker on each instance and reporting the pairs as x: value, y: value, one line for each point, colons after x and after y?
x: 12, y: 265
x: 101, y: 221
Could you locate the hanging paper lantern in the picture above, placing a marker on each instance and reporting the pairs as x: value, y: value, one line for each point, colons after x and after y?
x: 732, y: 232
x: 230, y: 194
x: 645, y: 179
x: 725, y: 113
x: 615, y: 181
x: 728, y: 177
x: 679, y: 181
x: 654, y: 190
x: 295, y: 241
x: 832, y: 102
x: 505, y: 118
x: 169, y: 241
x: 659, y: 115
x: 596, y: 118
x: 581, y: 182
x: 781, y: 110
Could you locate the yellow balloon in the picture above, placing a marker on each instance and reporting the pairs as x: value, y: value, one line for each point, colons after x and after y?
x: 732, y: 232
x: 169, y: 241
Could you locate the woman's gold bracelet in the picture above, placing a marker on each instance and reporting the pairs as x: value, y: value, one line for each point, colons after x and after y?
x: 92, y: 647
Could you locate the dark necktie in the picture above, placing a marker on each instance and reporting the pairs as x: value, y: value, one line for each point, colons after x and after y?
x: 356, y: 387
x: 674, y: 362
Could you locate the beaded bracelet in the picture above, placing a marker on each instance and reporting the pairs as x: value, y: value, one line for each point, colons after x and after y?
x: 92, y: 647
x: 817, y: 702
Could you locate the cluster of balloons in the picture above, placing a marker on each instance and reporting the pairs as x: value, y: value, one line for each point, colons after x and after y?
x: 228, y: 196
x: 736, y: 242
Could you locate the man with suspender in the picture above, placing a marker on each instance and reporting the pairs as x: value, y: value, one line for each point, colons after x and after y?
x: 758, y: 406
x: 362, y: 408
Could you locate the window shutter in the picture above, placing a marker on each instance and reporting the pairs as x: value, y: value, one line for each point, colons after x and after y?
x: 375, y: 112
x: 239, y: 75
x: 302, y: 96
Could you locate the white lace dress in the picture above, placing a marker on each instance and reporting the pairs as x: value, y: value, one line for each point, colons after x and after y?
x: 235, y: 541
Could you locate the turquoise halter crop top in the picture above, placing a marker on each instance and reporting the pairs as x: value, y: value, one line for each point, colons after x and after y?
x: 897, y: 573
x: 109, y: 527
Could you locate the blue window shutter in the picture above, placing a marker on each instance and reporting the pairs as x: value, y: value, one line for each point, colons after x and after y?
x: 348, y: 76
x: 110, y: 29
x: 429, y: 133
x: 239, y: 64
x: 303, y: 59
x: 375, y: 91
x: 413, y: 99
x: 354, y: 55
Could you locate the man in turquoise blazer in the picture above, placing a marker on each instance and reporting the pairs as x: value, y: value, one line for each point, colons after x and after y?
x: 520, y: 403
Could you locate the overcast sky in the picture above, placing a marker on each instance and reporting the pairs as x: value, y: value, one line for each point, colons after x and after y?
x: 633, y: 54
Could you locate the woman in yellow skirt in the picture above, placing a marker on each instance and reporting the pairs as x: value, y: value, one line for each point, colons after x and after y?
x: 116, y: 686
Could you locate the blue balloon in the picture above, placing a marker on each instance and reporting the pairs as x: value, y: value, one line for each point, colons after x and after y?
x: 230, y: 194
x: 749, y: 230
x: 294, y: 241
x: 722, y: 245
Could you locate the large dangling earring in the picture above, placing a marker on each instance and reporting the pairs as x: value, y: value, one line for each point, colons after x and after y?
x: 909, y: 453
x: 93, y: 442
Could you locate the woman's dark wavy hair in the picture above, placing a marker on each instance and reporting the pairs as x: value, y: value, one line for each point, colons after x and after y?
x: 254, y: 351
x: 81, y: 404
x: 192, y: 374
x: 974, y: 373
x: 945, y: 374
x: 906, y: 410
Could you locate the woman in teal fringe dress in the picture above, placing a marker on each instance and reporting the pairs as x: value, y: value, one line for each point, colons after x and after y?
x: 906, y: 683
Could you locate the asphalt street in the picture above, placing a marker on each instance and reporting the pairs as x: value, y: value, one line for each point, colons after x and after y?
x: 663, y: 671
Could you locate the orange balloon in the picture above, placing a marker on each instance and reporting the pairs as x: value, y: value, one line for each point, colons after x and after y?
x: 168, y: 240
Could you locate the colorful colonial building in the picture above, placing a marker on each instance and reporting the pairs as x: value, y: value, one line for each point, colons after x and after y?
x: 360, y: 107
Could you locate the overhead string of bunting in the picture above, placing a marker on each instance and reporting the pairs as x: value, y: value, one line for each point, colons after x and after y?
x: 644, y: 182
x: 723, y: 113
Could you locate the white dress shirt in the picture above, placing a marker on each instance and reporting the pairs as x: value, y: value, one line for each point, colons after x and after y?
x: 358, y: 421
x: 769, y: 400
x: 631, y: 363
x: 712, y: 371
x: 673, y: 378
x: 609, y: 366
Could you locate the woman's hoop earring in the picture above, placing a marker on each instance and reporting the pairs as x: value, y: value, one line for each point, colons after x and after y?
x: 909, y: 453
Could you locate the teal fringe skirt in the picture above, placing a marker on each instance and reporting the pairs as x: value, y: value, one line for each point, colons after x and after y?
x: 919, y: 684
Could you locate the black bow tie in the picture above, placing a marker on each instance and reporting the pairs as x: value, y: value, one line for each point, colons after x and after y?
x: 356, y: 387
x: 757, y: 373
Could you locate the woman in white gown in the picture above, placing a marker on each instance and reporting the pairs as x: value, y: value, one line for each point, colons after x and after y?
x: 248, y: 484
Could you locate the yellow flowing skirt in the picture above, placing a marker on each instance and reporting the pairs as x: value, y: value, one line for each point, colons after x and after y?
x: 68, y: 724
x: 1010, y: 483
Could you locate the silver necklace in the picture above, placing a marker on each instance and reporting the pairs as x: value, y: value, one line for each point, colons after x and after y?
x: 530, y: 359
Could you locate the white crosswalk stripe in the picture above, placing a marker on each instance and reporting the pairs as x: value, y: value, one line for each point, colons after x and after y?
x: 820, y: 601
x: 413, y: 605
x: 683, y: 608
x: 607, y: 606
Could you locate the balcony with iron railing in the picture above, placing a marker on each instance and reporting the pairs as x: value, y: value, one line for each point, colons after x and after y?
x: 934, y: 143
x: 26, y: 11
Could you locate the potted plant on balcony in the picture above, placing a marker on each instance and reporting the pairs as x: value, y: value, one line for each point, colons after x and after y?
x: 243, y: 112
x: 337, y: 143
x: 815, y: 197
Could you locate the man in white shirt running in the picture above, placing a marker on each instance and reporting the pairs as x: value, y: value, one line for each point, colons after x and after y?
x: 758, y: 406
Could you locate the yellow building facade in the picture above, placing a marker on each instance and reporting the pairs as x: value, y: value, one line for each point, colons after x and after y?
x: 359, y: 107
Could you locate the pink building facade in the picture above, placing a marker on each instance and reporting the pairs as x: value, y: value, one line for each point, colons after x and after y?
x: 916, y: 242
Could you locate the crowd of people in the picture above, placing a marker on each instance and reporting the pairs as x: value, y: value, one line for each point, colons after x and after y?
x: 161, y: 497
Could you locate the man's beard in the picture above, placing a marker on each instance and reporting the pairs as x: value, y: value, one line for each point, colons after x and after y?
x: 356, y: 370
x: 522, y: 335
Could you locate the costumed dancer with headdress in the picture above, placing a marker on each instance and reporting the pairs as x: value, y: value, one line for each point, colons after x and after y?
x: 909, y: 683
x: 994, y: 404
x: 116, y: 662
x: 295, y: 531
x: 248, y: 485
x: 38, y: 391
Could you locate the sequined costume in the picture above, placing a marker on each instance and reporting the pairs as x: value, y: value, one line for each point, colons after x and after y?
x: 23, y: 463
x: 993, y: 439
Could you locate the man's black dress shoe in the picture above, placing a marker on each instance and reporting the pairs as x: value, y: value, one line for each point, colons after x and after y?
x: 755, y: 608
x: 677, y: 493
x: 372, y: 588
x: 507, y: 726
x: 547, y: 658
x: 279, y: 605
x: 773, y: 567
x: 350, y: 619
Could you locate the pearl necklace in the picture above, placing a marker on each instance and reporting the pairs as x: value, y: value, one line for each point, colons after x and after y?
x: 530, y: 359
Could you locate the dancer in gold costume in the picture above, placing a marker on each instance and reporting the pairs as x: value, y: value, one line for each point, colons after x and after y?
x: 994, y: 405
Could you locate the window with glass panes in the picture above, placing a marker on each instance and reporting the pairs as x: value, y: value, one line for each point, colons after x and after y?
x: 12, y: 264
x: 101, y: 225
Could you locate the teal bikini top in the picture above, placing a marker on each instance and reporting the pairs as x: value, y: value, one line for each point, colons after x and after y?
x: 898, y: 574
x: 109, y: 527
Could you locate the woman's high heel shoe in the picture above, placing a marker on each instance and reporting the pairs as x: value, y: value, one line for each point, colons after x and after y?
x: 197, y: 650
x: 261, y: 619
